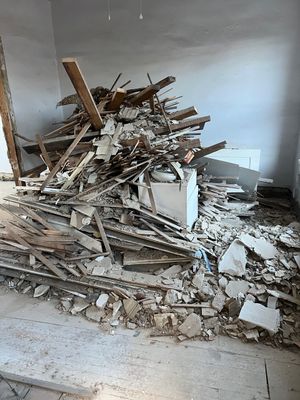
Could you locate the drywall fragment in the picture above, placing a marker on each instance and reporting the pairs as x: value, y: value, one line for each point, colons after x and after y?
x: 171, y: 297
x: 161, y: 320
x: 272, y: 302
x: 261, y: 247
x: 218, y: 301
x: 79, y: 305
x: 102, y: 300
x: 198, y: 279
x: 208, y: 312
x: 191, y: 326
x: 297, y: 259
x: 172, y: 271
x: 131, y: 307
x: 234, y: 260
x: 251, y: 334
x: 223, y: 282
x: 289, y: 241
x: 94, y: 313
x: 41, y: 290
x: 234, y: 288
x: 259, y: 315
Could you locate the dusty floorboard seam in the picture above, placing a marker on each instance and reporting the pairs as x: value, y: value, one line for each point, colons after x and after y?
x: 267, y: 379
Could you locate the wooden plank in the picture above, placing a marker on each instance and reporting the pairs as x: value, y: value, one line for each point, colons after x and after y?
x: 214, y: 368
x: 182, y: 125
x: 10, y: 390
x: 145, y: 94
x: 44, y: 152
x: 6, y: 113
x: 166, y: 81
x: 35, y: 252
x: 60, y: 143
x: 283, y: 379
x: 208, y: 150
x: 79, y: 83
x: 37, y: 393
x: 64, y: 158
x: 117, y: 99
x: 103, y: 235
x: 78, y: 170
x: 182, y: 114
x: 62, y: 129
x: 150, y: 192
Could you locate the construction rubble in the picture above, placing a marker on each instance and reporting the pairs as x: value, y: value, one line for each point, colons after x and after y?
x: 122, y: 223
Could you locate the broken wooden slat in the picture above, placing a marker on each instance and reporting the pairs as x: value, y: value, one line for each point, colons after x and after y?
x: 182, y: 114
x: 6, y: 113
x: 182, y: 125
x: 78, y: 170
x: 150, y: 192
x: 208, y: 150
x: 103, y: 235
x: 166, y: 81
x: 65, y: 157
x: 78, y: 81
x: 145, y: 94
x: 44, y: 152
x: 117, y: 99
x: 35, y: 252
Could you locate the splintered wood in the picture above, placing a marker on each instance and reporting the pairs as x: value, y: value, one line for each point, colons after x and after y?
x: 82, y: 228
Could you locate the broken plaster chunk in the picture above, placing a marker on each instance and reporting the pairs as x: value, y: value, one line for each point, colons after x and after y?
x: 223, y: 282
x: 191, y: 326
x: 210, y: 323
x: 234, y: 288
x: 79, y: 305
x: 234, y: 260
x: 40, y: 290
x: 94, y: 313
x: 131, y: 307
x: 261, y: 316
x: 171, y: 297
x: 102, y: 300
x: 161, y: 320
x: 198, y: 279
x: 261, y: 246
x: 171, y: 272
x: 208, y: 312
x: 218, y: 301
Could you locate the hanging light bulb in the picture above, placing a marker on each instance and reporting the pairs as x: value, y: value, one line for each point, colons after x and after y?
x: 141, y: 11
x: 108, y: 10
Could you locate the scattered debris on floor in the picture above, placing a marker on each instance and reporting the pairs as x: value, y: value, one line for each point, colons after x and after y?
x: 126, y: 226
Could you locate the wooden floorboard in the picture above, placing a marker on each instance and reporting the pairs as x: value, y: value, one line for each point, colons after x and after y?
x: 85, y: 359
x: 50, y: 349
x: 284, y: 380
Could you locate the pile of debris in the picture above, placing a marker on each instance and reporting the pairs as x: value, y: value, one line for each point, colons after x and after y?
x: 108, y: 226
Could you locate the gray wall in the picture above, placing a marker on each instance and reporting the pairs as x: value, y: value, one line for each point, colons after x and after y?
x: 237, y: 60
x: 27, y: 34
x: 296, y: 185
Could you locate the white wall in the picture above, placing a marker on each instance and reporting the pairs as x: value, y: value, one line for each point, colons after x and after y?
x: 296, y: 183
x: 237, y: 60
x: 4, y: 162
x: 27, y: 34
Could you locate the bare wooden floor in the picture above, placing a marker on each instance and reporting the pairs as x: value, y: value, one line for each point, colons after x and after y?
x: 38, y: 342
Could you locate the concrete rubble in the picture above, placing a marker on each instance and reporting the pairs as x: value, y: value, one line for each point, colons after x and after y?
x: 78, y: 232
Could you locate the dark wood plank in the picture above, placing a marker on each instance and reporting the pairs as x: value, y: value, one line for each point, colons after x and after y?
x: 80, y: 85
x: 145, y: 94
x: 6, y: 113
x: 182, y: 114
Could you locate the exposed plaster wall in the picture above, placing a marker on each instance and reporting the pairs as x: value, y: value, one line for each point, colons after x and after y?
x: 27, y: 34
x: 237, y: 60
